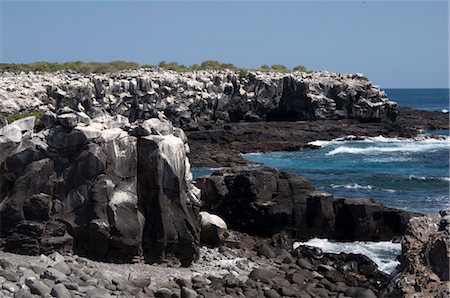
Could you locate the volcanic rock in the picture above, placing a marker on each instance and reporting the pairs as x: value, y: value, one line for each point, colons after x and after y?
x: 267, y: 201
x: 423, y: 269
x: 192, y: 99
x: 213, y: 229
x: 91, y: 186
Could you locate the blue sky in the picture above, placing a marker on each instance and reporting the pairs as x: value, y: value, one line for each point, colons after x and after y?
x: 395, y: 44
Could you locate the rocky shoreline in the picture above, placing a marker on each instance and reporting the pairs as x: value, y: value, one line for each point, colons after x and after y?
x: 220, y: 145
x: 268, y: 268
x: 105, y: 174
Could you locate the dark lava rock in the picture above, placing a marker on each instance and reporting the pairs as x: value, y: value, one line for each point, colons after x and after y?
x: 98, y: 191
x: 266, y: 250
x: 260, y: 274
x: 360, y: 293
x: 266, y: 201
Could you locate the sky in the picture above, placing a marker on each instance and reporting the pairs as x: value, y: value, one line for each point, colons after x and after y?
x: 396, y: 44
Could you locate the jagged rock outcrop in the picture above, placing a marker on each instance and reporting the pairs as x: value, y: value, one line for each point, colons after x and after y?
x: 425, y: 259
x: 267, y: 201
x: 190, y: 99
x: 101, y: 186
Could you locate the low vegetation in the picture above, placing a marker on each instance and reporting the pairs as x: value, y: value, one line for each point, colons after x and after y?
x: 116, y: 66
x: 13, y: 117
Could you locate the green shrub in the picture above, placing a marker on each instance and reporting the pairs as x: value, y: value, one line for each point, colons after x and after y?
x: 300, y: 68
x: 13, y: 117
x: 210, y: 64
x: 78, y: 66
x: 116, y: 66
x: 243, y: 73
x: 279, y: 67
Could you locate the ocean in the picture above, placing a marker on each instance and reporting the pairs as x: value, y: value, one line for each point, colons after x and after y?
x: 406, y: 174
x: 422, y: 99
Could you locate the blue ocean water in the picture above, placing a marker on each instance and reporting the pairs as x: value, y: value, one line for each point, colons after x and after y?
x: 422, y: 99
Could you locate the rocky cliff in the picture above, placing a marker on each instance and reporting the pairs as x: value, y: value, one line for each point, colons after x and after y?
x: 102, y: 187
x: 190, y: 99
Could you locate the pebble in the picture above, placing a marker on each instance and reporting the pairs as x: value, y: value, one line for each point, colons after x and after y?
x: 37, y: 287
x: 271, y: 294
x: 62, y: 267
x: 267, y: 251
x: 304, y: 263
x: 38, y: 269
x: 9, y: 274
x: 11, y: 287
x: 188, y: 293
x: 163, y: 293
x: 60, y: 291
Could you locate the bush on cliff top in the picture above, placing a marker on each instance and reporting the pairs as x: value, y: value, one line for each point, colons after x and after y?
x: 116, y: 66
x: 78, y: 66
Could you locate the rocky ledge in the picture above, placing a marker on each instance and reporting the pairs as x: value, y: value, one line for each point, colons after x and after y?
x: 220, y: 145
x: 192, y: 99
x: 266, y: 201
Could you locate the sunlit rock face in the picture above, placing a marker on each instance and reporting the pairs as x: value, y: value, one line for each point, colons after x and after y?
x: 190, y: 99
x: 76, y: 185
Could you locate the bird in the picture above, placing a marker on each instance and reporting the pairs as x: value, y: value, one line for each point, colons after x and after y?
x: 80, y: 107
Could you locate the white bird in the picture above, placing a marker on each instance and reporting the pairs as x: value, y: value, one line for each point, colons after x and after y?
x: 80, y: 107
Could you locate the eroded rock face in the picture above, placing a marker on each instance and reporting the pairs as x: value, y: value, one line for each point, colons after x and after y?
x: 190, y: 99
x: 76, y: 184
x: 425, y: 259
x: 267, y: 201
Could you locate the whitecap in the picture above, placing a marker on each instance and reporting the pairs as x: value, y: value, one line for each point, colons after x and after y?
x: 388, y: 159
x: 352, y: 186
x: 388, y: 190
x: 378, y: 139
x: 403, y: 147
x: 383, y: 253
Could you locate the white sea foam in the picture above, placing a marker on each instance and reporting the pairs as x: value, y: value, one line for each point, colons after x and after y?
x: 388, y: 159
x: 380, y: 139
x: 389, y: 190
x: 400, y: 147
x: 351, y: 186
x: 383, y: 253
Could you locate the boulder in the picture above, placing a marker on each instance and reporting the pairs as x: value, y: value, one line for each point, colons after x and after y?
x: 213, y: 229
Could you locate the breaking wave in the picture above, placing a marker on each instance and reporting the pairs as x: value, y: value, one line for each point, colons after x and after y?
x: 352, y: 186
x: 383, y: 253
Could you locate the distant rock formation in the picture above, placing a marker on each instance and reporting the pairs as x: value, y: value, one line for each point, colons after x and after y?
x: 267, y: 201
x: 190, y: 99
x: 105, y: 187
